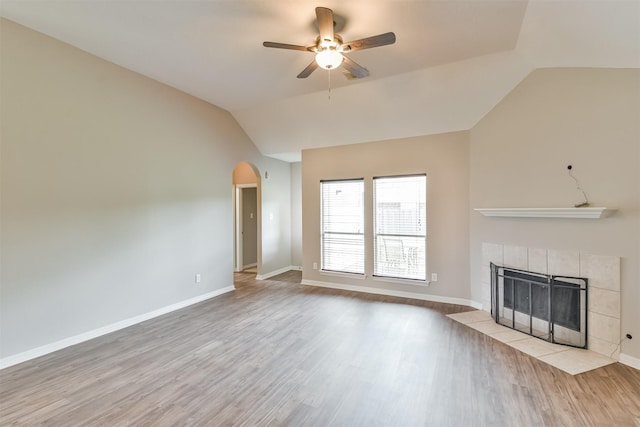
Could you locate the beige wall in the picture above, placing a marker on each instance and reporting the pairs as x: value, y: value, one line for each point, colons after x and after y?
x: 116, y: 191
x: 296, y: 214
x: 445, y: 160
x: 589, y: 118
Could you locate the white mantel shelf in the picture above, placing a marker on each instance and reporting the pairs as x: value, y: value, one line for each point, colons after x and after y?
x: 591, y: 213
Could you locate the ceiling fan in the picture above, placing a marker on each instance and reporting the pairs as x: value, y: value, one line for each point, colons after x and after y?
x: 329, y: 47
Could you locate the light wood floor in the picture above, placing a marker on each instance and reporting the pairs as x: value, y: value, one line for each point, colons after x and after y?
x: 278, y: 353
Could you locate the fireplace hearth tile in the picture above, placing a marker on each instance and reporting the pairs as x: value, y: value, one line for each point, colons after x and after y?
x: 535, y: 347
x: 488, y: 327
x: 604, y: 347
x: 575, y: 361
x: 509, y: 336
x: 471, y: 316
x: 570, y: 360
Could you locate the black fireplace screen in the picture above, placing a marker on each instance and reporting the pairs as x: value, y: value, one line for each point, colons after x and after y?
x: 550, y: 307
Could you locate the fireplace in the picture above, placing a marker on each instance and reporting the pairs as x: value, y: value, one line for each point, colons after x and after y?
x: 550, y: 307
x: 603, y: 272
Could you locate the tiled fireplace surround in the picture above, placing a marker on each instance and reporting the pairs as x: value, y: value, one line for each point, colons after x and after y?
x: 603, y: 272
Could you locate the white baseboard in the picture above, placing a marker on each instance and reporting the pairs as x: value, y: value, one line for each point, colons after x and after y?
x: 86, y: 336
x: 244, y: 267
x: 392, y: 293
x: 625, y: 359
x: 276, y: 272
x: 295, y: 267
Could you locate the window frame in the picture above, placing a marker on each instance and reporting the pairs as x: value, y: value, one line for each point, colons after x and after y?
x: 323, y: 233
x: 376, y: 235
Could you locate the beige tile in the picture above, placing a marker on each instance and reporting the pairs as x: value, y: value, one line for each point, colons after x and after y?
x: 486, y: 299
x: 515, y: 257
x: 470, y: 316
x: 520, y: 318
x: 605, y: 348
x: 486, y: 274
x: 541, y: 328
x: 575, y: 361
x: 602, y: 271
x: 570, y: 360
x: 536, y: 347
x: 509, y: 336
x: 567, y: 336
x: 537, y: 259
x: 492, y: 253
x: 488, y: 327
x: 564, y: 263
x: 486, y: 290
x: 603, y: 327
x: 604, y: 302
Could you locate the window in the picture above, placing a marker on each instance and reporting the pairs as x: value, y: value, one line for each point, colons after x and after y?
x: 400, y: 224
x: 342, y: 226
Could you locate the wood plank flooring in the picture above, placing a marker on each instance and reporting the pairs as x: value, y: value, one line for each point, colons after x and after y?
x: 275, y: 353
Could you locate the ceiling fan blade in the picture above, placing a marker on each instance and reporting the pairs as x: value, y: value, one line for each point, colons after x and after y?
x: 325, y: 23
x: 369, y: 42
x: 358, y: 71
x: 307, y: 71
x: 285, y: 46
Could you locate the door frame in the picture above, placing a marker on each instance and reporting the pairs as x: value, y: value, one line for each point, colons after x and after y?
x: 239, y: 264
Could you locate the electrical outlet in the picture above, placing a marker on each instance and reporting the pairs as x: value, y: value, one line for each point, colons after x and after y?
x: 315, y: 265
x: 198, y: 278
x: 434, y: 277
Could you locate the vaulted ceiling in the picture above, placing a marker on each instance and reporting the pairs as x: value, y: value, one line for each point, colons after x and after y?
x: 452, y: 63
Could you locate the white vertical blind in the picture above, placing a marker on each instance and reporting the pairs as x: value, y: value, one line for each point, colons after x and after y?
x: 342, y: 226
x: 400, y: 224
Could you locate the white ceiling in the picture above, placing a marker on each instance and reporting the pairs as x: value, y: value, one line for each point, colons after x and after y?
x: 452, y: 62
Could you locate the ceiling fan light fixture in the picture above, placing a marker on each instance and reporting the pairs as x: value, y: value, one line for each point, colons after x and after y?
x: 329, y: 59
x: 329, y: 47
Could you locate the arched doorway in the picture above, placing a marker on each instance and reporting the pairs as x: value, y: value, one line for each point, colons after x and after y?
x: 247, y: 218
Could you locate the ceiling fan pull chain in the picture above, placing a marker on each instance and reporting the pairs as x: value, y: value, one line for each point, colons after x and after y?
x: 329, y: 74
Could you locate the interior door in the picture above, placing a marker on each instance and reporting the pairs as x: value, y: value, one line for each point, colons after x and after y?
x: 249, y: 227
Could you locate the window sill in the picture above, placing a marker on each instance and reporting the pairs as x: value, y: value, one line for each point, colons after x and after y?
x: 339, y: 274
x: 422, y: 283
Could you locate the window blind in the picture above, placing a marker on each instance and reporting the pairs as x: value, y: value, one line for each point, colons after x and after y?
x: 342, y: 226
x: 400, y: 224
